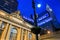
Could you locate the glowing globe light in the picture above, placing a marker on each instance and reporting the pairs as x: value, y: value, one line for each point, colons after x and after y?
x: 39, y: 5
x: 48, y: 32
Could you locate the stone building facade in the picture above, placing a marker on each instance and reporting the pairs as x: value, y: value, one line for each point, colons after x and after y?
x: 13, y: 27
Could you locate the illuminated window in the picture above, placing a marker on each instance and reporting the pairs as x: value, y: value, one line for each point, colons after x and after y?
x: 30, y: 36
x: 6, y: 3
x: 13, y: 34
x: 2, y: 25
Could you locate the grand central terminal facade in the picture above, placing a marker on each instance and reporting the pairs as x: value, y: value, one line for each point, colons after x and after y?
x: 13, y: 27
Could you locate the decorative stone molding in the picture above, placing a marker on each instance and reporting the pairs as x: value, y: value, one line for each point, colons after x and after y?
x: 14, y: 17
x: 16, y: 14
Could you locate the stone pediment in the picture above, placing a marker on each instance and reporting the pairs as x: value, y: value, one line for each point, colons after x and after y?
x: 15, y: 18
x: 16, y: 14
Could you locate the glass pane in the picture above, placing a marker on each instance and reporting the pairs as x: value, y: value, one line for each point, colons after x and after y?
x: 30, y: 36
x: 13, y: 34
x: 2, y: 25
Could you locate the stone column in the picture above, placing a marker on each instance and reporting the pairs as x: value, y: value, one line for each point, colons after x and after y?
x: 0, y: 23
x: 38, y: 36
x: 0, y: 28
x: 26, y: 35
x: 8, y: 33
x: 19, y: 34
x: 33, y: 36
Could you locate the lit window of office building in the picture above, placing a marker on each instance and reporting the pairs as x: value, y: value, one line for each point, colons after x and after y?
x: 8, y: 5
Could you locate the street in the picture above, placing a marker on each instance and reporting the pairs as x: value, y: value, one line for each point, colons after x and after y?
x: 55, y: 36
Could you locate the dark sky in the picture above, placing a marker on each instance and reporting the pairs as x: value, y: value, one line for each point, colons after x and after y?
x: 25, y: 6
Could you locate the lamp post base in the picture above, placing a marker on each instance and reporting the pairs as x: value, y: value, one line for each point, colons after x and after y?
x: 36, y: 31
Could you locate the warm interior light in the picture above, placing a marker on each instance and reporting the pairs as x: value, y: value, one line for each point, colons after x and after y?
x: 48, y: 32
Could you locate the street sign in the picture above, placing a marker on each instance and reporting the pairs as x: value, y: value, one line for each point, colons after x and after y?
x: 44, y: 21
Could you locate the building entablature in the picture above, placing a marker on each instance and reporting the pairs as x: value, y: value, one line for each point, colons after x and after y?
x: 14, y: 18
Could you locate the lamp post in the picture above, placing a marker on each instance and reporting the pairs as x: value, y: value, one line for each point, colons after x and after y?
x: 36, y: 29
x: 34, y: 9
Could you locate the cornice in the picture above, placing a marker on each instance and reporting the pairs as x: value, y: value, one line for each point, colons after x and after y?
x: 15, y: 18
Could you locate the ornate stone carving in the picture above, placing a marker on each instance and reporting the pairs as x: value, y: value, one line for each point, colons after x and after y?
x: 17, y: 15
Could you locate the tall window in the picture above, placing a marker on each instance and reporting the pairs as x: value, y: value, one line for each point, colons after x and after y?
x: 13, y: 34
x: 2, y: 25
x: 30, y: 36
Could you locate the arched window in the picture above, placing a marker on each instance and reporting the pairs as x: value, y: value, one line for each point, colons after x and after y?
x: 13, y: 34
x: 2, y: 25
x: 30, y: 36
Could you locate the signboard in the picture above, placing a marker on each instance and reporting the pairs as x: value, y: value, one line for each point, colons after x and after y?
x: 44, y: 21
x: 29, y: 19
x: 43, y: 17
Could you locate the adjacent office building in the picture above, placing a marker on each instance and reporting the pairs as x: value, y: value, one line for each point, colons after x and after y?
x: 47, y: 19
x: 8, y: 5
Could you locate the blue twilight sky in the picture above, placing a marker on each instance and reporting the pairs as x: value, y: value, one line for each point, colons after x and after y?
x: 25, y: 6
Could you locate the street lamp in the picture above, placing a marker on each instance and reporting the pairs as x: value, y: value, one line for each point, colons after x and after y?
x: 48, y: 32
x: 38, y: 5
x: 36, y: 29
